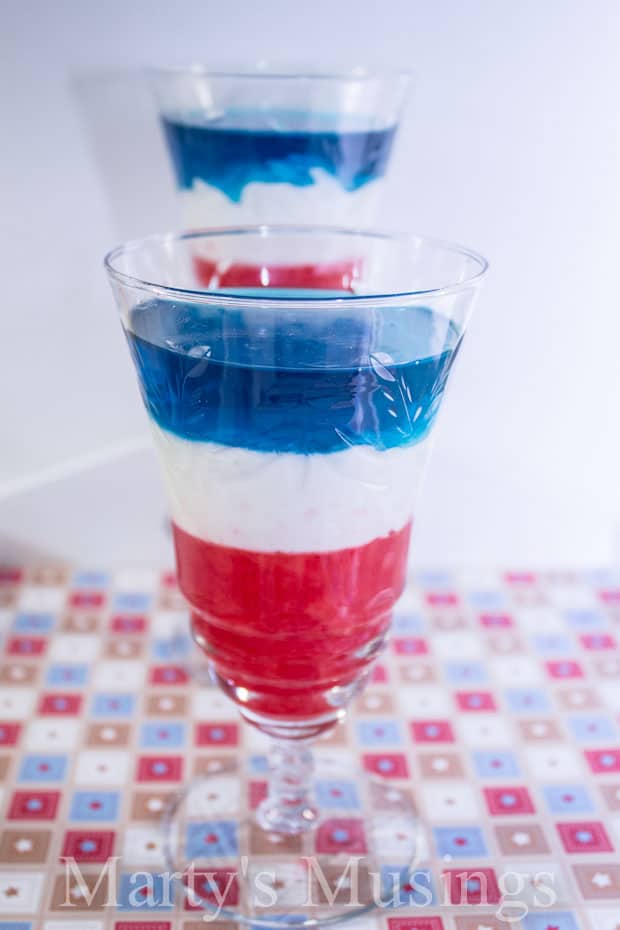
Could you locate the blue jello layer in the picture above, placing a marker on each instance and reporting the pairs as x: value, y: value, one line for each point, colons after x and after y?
x: 278, y: 381
x: 229, y: 157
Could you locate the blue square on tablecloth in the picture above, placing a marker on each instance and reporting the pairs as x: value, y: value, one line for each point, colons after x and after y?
x: 94, y: 806
x: 487, y: 600
x: 585, y: 618
x: 552, y: 644
x: 67, y: 675
x: 435, y: 579
x: 592, y: 729
x: 162, y: 735
x: 113, y: 705
x: 460, y: 842
x: 401, y: 888
x: 47, y: 768
x: 567, y: 799
x: 33, y: 623
x: 379, y: 733
x: 334, y: 793
x: 408, y: 623
x: 561, y: 920
x: 463, y: 673
x: 496, y: 764
x: 527, y: 701
x: 145, y: 891
x: 171, y: 647
x: 211, y: 838
x: 90, y: 579
x: 15, y: 925
x: 258, y: 764
x: 130, y: 601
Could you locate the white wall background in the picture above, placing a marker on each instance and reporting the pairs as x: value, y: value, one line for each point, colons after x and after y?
x: 512, y: 145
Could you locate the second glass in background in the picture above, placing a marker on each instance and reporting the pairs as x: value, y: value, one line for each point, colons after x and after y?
x: 278, y: 148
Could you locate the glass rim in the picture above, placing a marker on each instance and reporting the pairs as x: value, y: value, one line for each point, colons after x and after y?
x: 230, y: 298
x: 355, y: 74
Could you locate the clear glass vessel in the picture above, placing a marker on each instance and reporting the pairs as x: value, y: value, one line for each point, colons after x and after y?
x: 268, y: 147
x: 293, y: 426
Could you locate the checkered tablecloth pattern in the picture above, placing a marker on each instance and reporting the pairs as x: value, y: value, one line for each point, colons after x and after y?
x: 495, y: 710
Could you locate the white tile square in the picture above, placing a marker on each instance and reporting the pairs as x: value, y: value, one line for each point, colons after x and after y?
x: 536, y: 875
x: 540, y: 620
x: 73, y: 925
x: 41, y: 599
x: 52, y: 733
x: 16, y: 703
x: 74, y: 647
x: 603, y: 918
x: 6, y: 619
x: 449, y: 801
x: 119, y: 675
x: 553, y: 762
x: 20, y: 892
x: 424, y: 702
x: 97, y: 767
x: 609, y: 692
x: 143, y: 846
x: 166, y: 624
x: 136, y: 579
x: 211, y: 704
x: 480, y: 730
x: 516, y: 671
x: 457, y: 646
x: 396, y: 836
x: 290, y: 880
x: 217, y: 796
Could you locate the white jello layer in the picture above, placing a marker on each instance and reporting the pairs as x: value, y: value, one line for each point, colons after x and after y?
x: 322, y: 203
x: 281, y: 502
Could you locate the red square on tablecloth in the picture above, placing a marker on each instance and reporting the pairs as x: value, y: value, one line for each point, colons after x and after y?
x: 496, y: 621
x: 10, y: 575
x: 34, y: 805
x: 415, y: 923
x: 387, y: 764
x: 87, y: 600
x: 257, y: 792
x: 216, y: 734
x: 379, y: 675
x: 509, y: 801
x: 88, y: 845
x: 432, y: 731
x: 475, y: 701
x: 218, y: 886
x: 602, y: 761
x: 159, y: 768
x: 26, y: 646
x: 442, y: 599
x: 564, y: 668
x: 410, y: 646
x: 169, y: 675
x: 584, y: 837
x: 598, y: 641
x: 9, y: 734
x: 468, y: 886
x: 341, y: 835
x: 58, y: 704
x: 128, y: 623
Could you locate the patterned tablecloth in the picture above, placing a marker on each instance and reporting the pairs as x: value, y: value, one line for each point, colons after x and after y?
x: 496, y: 709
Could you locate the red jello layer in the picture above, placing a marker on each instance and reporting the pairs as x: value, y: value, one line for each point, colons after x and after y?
x: 288, y: 627
x: 333, y: 276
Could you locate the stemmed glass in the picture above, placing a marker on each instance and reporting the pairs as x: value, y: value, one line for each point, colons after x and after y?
x: 293, y: 427
x: 271, y: 146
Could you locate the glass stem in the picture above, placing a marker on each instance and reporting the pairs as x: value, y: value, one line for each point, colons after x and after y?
x: 289, y: 806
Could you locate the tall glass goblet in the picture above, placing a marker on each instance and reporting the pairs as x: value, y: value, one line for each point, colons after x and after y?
x: 275, y: 147
x: 293, y: 427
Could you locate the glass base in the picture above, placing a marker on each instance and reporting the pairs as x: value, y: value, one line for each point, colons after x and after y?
x: 234, y: 859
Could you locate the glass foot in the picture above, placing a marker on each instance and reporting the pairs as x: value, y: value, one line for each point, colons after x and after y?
x: 356, y: 847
